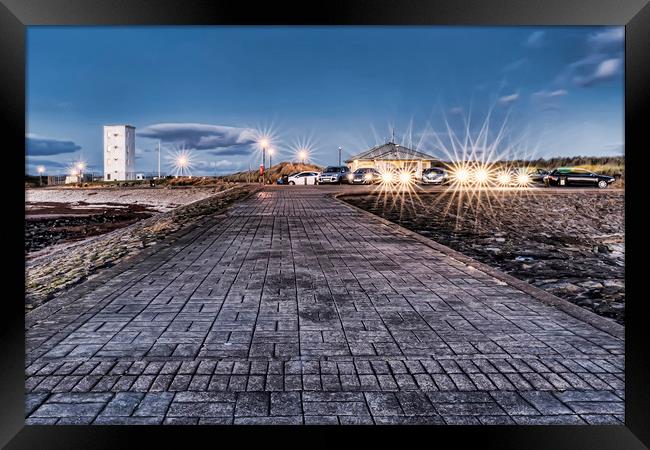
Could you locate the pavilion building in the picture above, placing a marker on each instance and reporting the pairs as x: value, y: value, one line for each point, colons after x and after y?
x: 391, y: 156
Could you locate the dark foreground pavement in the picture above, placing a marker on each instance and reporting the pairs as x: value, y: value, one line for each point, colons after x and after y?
x: 295, y: 308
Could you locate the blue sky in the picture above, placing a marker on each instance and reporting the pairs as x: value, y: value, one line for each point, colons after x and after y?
x: 547, y: 91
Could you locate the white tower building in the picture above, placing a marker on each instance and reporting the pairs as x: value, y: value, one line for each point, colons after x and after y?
x: 119, y: 152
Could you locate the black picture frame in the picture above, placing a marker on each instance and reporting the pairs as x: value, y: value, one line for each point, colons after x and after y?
x: 16, y: 15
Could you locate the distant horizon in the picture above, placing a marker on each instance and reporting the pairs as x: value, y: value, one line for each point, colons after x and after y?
x: 256, y: 169
x: 528, y: 91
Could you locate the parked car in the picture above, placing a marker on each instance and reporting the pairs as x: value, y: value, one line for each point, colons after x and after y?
x: 284, y: 179
x: 537, y: 175
x: 303, y: 178
x: 334, y: 174
x: 572, y: 176
x: 434, y: 175
x: 365, y: 176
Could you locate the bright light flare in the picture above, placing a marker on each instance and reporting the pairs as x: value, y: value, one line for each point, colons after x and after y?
x: 503, y: 179
x: 523, y: 179
x: 181, y: 162
x: 405, y: 178
x: 303, y: 155
x: 40, y: 169
x: 461, y: 175
x: 81, y: 165
x: 481, y: 176
x: 387, y: 177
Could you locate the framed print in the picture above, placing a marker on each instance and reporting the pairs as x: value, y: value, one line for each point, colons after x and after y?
x: 353, y: 218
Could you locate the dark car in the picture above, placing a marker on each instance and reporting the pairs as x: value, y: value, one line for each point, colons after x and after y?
x: 284, y: 179
x: 571, y: 176
x: 365, y: 176
x: 334, y: 174
x: 434, y: 175
x: 537, y: 175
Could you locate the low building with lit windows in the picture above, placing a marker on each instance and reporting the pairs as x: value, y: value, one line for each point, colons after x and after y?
x: 391, y: 156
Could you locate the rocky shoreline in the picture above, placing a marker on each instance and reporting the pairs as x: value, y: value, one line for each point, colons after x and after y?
x: 570, y: 244
x: 59, y: 223
x: 62, y: 266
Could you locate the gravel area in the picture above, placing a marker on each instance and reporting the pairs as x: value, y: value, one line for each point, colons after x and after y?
x: 62, y: 266
x: 58, y: 216
x: 568, y: 243
x: 61, y: 223
x: 161, y: 198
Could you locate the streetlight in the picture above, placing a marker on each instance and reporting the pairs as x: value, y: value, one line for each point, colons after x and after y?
x: 182, y: 163
x: 264, y: 143
x: 81, y: 166
x: 340, y: 155
x: 302, y: 155
x: 40, y: 170
x: 270, y: 161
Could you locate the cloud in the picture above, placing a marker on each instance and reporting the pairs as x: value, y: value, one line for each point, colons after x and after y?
x: 514, y: 65
x: 535, y: 40
x: 456, y: 110
x: 508, y: 99
x: 47, y: 163
x: 200, y: 136
x: 608, y: 38
x: 604, y: 71
x: 550, y: 94
x: 589, y: 60
x: 608, y: 68
x: 234, y: 150
x: 45, y: 146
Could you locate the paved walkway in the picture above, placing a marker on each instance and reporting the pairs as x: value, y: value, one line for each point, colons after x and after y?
x: 296, y: 308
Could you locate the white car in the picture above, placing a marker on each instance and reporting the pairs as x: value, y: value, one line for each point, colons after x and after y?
x: 304, y: 178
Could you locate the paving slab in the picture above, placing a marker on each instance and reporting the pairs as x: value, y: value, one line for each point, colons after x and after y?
x: 293, y: 307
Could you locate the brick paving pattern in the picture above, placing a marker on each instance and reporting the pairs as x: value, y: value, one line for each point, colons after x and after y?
x: 294, y: 308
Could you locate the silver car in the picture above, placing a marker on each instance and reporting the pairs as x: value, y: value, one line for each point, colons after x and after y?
x: 434, y: 175
x: 334, y: 174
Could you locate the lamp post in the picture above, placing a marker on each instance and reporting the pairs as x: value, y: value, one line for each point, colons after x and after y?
x: 270, y: 162
x: 263, y: 164
x: 340, y: 155
x: 302, y: 155
x: 263, y: 143
x: 182, y: 163
x: 81, y: 166
x: 40, y: 170
x: 159, y: 159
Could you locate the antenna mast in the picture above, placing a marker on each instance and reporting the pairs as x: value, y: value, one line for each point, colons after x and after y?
x: 159, y: 159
